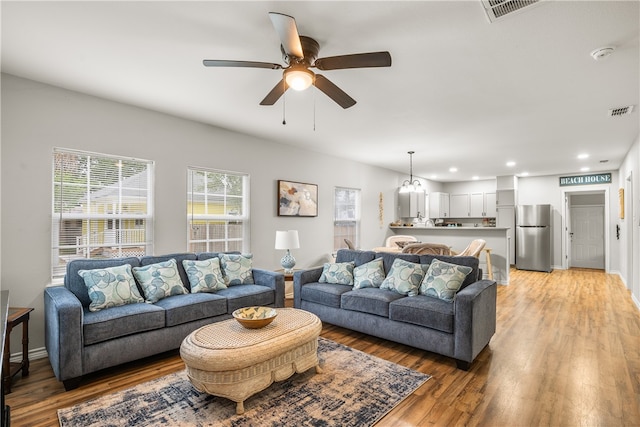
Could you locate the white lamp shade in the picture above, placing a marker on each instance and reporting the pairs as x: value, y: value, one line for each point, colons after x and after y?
x: 287, y: 239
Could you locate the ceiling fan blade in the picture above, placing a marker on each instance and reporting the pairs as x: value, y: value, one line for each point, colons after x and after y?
x: 275, y: 94
x: 287, y: 30
x: 248, y: 64
x: 358, y: 60
x: 334, y: 92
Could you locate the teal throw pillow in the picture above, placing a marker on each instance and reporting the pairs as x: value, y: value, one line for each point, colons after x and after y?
x: 340, y: 273
x: 369, y: 275
x: 237, y: 269
x: 443, y: 280
x: 405, y: 277
x: 159, y: 280
x: 110, y: 287
x: 205, y: 275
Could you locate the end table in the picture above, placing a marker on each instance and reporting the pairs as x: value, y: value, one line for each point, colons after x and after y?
x: 17, y: 315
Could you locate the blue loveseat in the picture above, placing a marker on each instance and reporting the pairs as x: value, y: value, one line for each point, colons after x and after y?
x: 80, y: 341
x: 458, y: 329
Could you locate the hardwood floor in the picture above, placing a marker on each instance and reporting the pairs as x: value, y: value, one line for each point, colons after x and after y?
x: 566, y: 353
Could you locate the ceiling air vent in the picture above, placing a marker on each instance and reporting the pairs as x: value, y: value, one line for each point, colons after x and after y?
x: 620, y: 111
x: 498, y: 9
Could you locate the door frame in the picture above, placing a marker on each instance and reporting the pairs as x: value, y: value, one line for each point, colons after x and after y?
x: 566, y: 221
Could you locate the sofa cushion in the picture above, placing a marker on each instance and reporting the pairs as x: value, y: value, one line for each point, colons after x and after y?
x: 468, y: 261
x: 424, y: 311
x: 357, y: 257
x: 247, y: 295
x: 179, y: 257
x: 237, y: 269
x: 389, y: 258
x: 189, y: 307
x: 205, y: 275
x: 369, y: 275
x: 103, y: 325
x: 208, y: 255
x: 159, y: 280
x: 324, y: 293
x: 111, y: 287
x: 443, y: 280
x: 339, y: 273
x: 404, y: 277
x: 75, y: 283
x: 369, y: 300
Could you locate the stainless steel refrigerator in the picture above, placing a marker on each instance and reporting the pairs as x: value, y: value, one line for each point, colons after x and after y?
x: 534, y: 250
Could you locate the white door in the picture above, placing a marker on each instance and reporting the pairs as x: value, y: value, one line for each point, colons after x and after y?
x: 587, y: 237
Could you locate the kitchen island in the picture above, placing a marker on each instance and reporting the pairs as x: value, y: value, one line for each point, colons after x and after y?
x: 457, y: 238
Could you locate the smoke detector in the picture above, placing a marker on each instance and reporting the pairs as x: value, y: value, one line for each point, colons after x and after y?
x: 602, y: 52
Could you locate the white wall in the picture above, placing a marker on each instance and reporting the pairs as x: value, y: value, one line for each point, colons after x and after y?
x: 547, y: 190
x: 630, y: 225
x: 37, y: 118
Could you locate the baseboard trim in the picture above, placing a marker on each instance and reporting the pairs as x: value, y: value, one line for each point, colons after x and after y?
x: 34, y: 354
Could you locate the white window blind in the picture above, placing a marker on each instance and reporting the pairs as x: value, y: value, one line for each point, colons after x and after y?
x: 217, y: 210
x: 346, y: 217
x: 102, y: 207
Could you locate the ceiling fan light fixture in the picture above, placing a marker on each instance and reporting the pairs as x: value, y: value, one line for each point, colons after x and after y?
x: 298, y: 78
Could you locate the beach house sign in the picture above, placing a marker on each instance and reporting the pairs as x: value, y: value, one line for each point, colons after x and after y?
x: 596, y: 178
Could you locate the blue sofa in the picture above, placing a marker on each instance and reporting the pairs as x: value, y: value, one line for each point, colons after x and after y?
x: 80, y: 341
x: 458, y: 329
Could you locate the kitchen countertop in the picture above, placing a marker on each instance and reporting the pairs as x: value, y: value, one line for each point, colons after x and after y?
x: 447, y: 228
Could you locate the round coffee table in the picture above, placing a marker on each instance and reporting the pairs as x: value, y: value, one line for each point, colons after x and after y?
x: 227, y: 360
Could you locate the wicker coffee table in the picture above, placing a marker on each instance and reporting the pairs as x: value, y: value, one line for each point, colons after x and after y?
x: 227, y: 360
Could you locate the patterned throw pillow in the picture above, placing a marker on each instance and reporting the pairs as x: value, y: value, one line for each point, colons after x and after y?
x: 340, y: 273
x: 160, y: 280
x: 443, y: 280
x: 405, y: 277
x: 369, y: 275
x: 204, y: 276
x: 110, y: 287
x: 237, y: 269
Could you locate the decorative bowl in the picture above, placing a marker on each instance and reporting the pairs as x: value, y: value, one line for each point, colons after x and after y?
x: 255, y: 317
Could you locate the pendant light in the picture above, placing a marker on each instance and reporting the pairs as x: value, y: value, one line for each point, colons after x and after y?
x: 411, y: 185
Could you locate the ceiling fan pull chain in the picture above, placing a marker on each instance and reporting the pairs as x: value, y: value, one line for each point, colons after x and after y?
x: 284, y: 101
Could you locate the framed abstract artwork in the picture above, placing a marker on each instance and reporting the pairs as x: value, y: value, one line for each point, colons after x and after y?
x: 297, y: 199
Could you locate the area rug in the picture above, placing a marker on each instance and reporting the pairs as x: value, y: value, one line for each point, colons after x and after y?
x: 354, y: 389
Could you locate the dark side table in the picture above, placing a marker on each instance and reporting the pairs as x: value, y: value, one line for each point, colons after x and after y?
x: 17, y: 315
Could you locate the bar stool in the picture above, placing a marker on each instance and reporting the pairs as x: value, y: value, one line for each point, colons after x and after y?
x: 487, y: 254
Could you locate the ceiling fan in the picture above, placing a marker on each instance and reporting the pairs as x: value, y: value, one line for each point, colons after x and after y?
x: 301, y: 53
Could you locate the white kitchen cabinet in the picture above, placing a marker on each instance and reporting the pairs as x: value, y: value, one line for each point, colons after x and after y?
x: 490, y: 204
x: 476, y: 205
x: 506, y: 197
x: 439, y: 205
x: 472, y: 205
x: 412, y: 204
x: 459, y: 205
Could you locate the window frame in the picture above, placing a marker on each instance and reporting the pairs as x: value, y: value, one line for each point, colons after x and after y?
x: 229, y: 219
x: 116, y: 228
x: 354, y: 222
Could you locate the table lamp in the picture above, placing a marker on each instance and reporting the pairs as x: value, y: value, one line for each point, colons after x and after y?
x: 287, y: 240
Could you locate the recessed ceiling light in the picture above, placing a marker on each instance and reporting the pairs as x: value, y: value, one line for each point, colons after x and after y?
x: 583, y: 156
x: 434, y: 176
x: 511, y: 164
x: 524, y: 174
x: 475, y: 177
x: 453, y: 169
x: 584, y: 169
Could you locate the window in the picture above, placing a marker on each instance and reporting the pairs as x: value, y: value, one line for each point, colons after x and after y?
x: 346, y: 217
x: 218, y: 211
x: 102, y: 207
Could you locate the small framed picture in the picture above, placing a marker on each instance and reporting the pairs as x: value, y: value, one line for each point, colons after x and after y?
x: 297, y: 199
